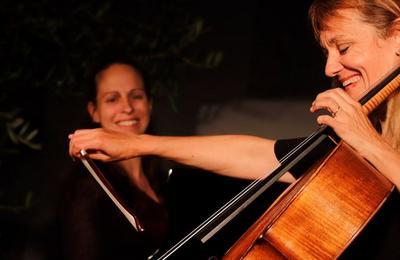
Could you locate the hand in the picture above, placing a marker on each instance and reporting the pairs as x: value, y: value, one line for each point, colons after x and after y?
x: 101, y: 144
x: 347, y: 119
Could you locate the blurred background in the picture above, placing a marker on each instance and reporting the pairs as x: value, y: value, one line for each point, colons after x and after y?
x: 216, y: 67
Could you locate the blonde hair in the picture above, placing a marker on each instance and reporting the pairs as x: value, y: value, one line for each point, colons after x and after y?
x: 391, y: 126
x: 379, y: 13
x: 382, y: 14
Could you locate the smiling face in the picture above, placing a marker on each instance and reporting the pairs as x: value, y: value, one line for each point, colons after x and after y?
x: 358, y: 55
x: 121, y: 101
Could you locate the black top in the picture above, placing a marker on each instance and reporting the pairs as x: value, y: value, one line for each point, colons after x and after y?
x: 94, y: 228
x: 379, y: 240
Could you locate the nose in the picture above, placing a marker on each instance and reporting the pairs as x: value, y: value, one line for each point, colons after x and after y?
x: 127, y: 105
x: 332, y: 66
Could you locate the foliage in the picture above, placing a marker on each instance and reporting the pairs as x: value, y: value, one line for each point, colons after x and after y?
x: 16, y: 132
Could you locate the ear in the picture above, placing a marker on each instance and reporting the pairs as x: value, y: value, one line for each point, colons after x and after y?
x: 92, y: 109
x: 394, y: 34
x: 395, y: 31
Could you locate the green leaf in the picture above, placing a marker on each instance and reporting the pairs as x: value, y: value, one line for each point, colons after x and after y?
x: 23, y: 129
x: 32, y: 135
x: 16, y: 122
x: 13, y: 137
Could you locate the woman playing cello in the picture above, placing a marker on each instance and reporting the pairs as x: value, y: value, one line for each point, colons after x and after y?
x: 361, y: 40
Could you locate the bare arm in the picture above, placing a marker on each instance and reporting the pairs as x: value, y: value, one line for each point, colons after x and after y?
x: 231, y: 155
x: 385, y: 159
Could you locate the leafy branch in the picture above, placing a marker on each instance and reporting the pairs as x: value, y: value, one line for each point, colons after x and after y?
x: 15, y: 132
x: 18, y: 208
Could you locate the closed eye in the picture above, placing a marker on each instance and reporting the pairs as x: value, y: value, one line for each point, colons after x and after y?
x: 343, y: 48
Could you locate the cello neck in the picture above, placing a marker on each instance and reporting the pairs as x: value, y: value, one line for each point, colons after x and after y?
x: 378, y: 94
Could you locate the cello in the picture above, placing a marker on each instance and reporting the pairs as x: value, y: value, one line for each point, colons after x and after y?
x: 319, y: 215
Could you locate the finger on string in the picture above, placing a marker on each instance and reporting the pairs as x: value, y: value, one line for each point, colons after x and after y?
x: 328, y: 103
x: 343, y: 101
x: 327, y: 120
x: 318, y: 103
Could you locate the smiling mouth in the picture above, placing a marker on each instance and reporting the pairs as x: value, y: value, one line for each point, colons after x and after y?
x: 350, y: 81
x: 128, y: 122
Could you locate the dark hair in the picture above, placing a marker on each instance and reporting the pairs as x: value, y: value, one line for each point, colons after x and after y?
x: 91, y: 89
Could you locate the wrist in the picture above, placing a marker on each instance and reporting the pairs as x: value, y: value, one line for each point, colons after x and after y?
x: 145, y: 145
x: 379, y: 152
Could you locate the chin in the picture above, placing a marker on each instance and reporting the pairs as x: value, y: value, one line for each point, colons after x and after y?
x: 355, y: 91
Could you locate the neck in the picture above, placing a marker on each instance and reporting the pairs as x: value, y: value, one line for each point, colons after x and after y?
x: 134, y: 170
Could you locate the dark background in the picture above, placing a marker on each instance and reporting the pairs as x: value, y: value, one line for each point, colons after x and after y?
x: 269, y: 53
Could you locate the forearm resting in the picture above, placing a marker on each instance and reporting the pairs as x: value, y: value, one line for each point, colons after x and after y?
x: 231, y: 155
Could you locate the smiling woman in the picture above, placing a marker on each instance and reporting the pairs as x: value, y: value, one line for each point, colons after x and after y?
x: 357, y: 55
x: 361, y: 40
x: 121, y: 103
x: 94, y: 227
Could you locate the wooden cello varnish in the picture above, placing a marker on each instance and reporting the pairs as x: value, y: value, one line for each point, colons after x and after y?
x: 322, y: 213
x: 323, y: 217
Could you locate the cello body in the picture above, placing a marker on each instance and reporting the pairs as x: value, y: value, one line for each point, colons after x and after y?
x: 320, y: 214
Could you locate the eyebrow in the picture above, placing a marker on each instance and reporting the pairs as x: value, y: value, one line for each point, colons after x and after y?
x: 135, y: 89
x: 335, y: 39
x: 117, y: 92
x: 109, y: 92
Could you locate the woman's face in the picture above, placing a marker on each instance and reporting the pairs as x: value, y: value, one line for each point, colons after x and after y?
x: 357, y: 55
x: 122, y: 104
